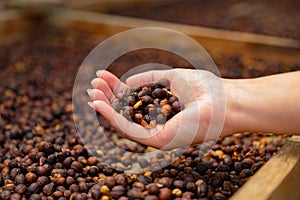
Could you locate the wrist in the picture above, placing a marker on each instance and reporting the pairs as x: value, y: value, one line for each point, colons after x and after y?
x: 236, y: 92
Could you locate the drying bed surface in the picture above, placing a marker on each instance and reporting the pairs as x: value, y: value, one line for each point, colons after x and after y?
x: 42, y: 156
x: 279, y: 18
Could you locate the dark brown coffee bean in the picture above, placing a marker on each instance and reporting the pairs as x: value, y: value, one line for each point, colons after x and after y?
x: 42, y: 180
x: 134, y: 193
x: 110, y: 181
x: 20, y: 179
x: 135, y: 88
x: 61, y: 180
x: 92, y: 160
x: 176, y: 106
x: 141, y: 94
x: 126, y: 92
x: 165, y: 194
x: 143, y: 162
x: 83, y: 187
x: 48, y: 189
x: 48, y: 167
x: 30, y: 177
x: 159, y: 93
x: 76, y: 166
x: 144, y: 179
x: 130, y: 100
x: 164, y: 82
x: 153, y: 189
x: 121, y: 180
x: 147, y: 89
x: 5, y: 194
x: 95, y: 192
x: 36, y: 197
x: 57, y: 194
x: 219, y: 196
x: 21, y: 188
x: 247, y: 163
x: 146, y: 100
x: 202, y: 189
x: 160, y: 119
x: 15, y: 196
x: 48, y: 148
x: 138, y: 118
x: 13, y: 163
x: 151, y: 197
x: 34, y: 188
x: 150, y: 109
x: 270, y: 148
x: 179, y: 184
x: 116, y: 106
x: 118, y: 191
x: 191, y: 186
x: 74, y: 188
x: 228, y: 161
x: 165, y: 181
x: 93, y: 171
x: 40, y: 170
x: 67, y: 162
x: 238, y: 166
x: 128, y: 112
x: 257, y: 165
x: 69, y: 180
x: 172, y: 99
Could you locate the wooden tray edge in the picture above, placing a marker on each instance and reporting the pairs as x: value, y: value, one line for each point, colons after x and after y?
x: 278, y: 178
x: 125, y: 23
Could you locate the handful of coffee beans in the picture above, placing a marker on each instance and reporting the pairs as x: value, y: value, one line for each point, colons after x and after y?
x: 148, y: 104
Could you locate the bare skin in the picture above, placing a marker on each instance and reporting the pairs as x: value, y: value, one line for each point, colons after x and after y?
x: 267, y: 104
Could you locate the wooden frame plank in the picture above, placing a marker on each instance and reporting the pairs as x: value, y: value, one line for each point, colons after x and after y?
x: 103, y: 5
x: 214, y: 40
x: 279, y: 178
x: 130, y: 22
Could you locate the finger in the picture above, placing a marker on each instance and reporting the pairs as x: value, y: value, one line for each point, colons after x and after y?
x: 148, y: 77
x: 97, y: 95
x: 102, y: 85
x: 129, y: 129
x: 113, y: 82
x: 175, y: 132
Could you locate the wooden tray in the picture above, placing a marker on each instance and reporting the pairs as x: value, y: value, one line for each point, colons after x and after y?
x: 279, y: 178
x: 215, y: 41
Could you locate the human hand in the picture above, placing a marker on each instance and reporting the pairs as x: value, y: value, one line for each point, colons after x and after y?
x: 195, y: 90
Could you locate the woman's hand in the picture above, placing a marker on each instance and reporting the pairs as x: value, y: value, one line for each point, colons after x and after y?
x: 212, y: 106
x: 194, y: 91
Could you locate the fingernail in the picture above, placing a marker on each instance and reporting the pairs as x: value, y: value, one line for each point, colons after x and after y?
x: 99, y: 73
x: 89, y: 91
x: 90, y: 104
x: 94, y: 82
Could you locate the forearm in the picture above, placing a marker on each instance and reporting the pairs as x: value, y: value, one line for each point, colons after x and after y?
x: 267, y: 104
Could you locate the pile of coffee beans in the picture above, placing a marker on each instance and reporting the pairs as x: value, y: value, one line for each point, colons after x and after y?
x: 149, y: 104
x: 43, y: 158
